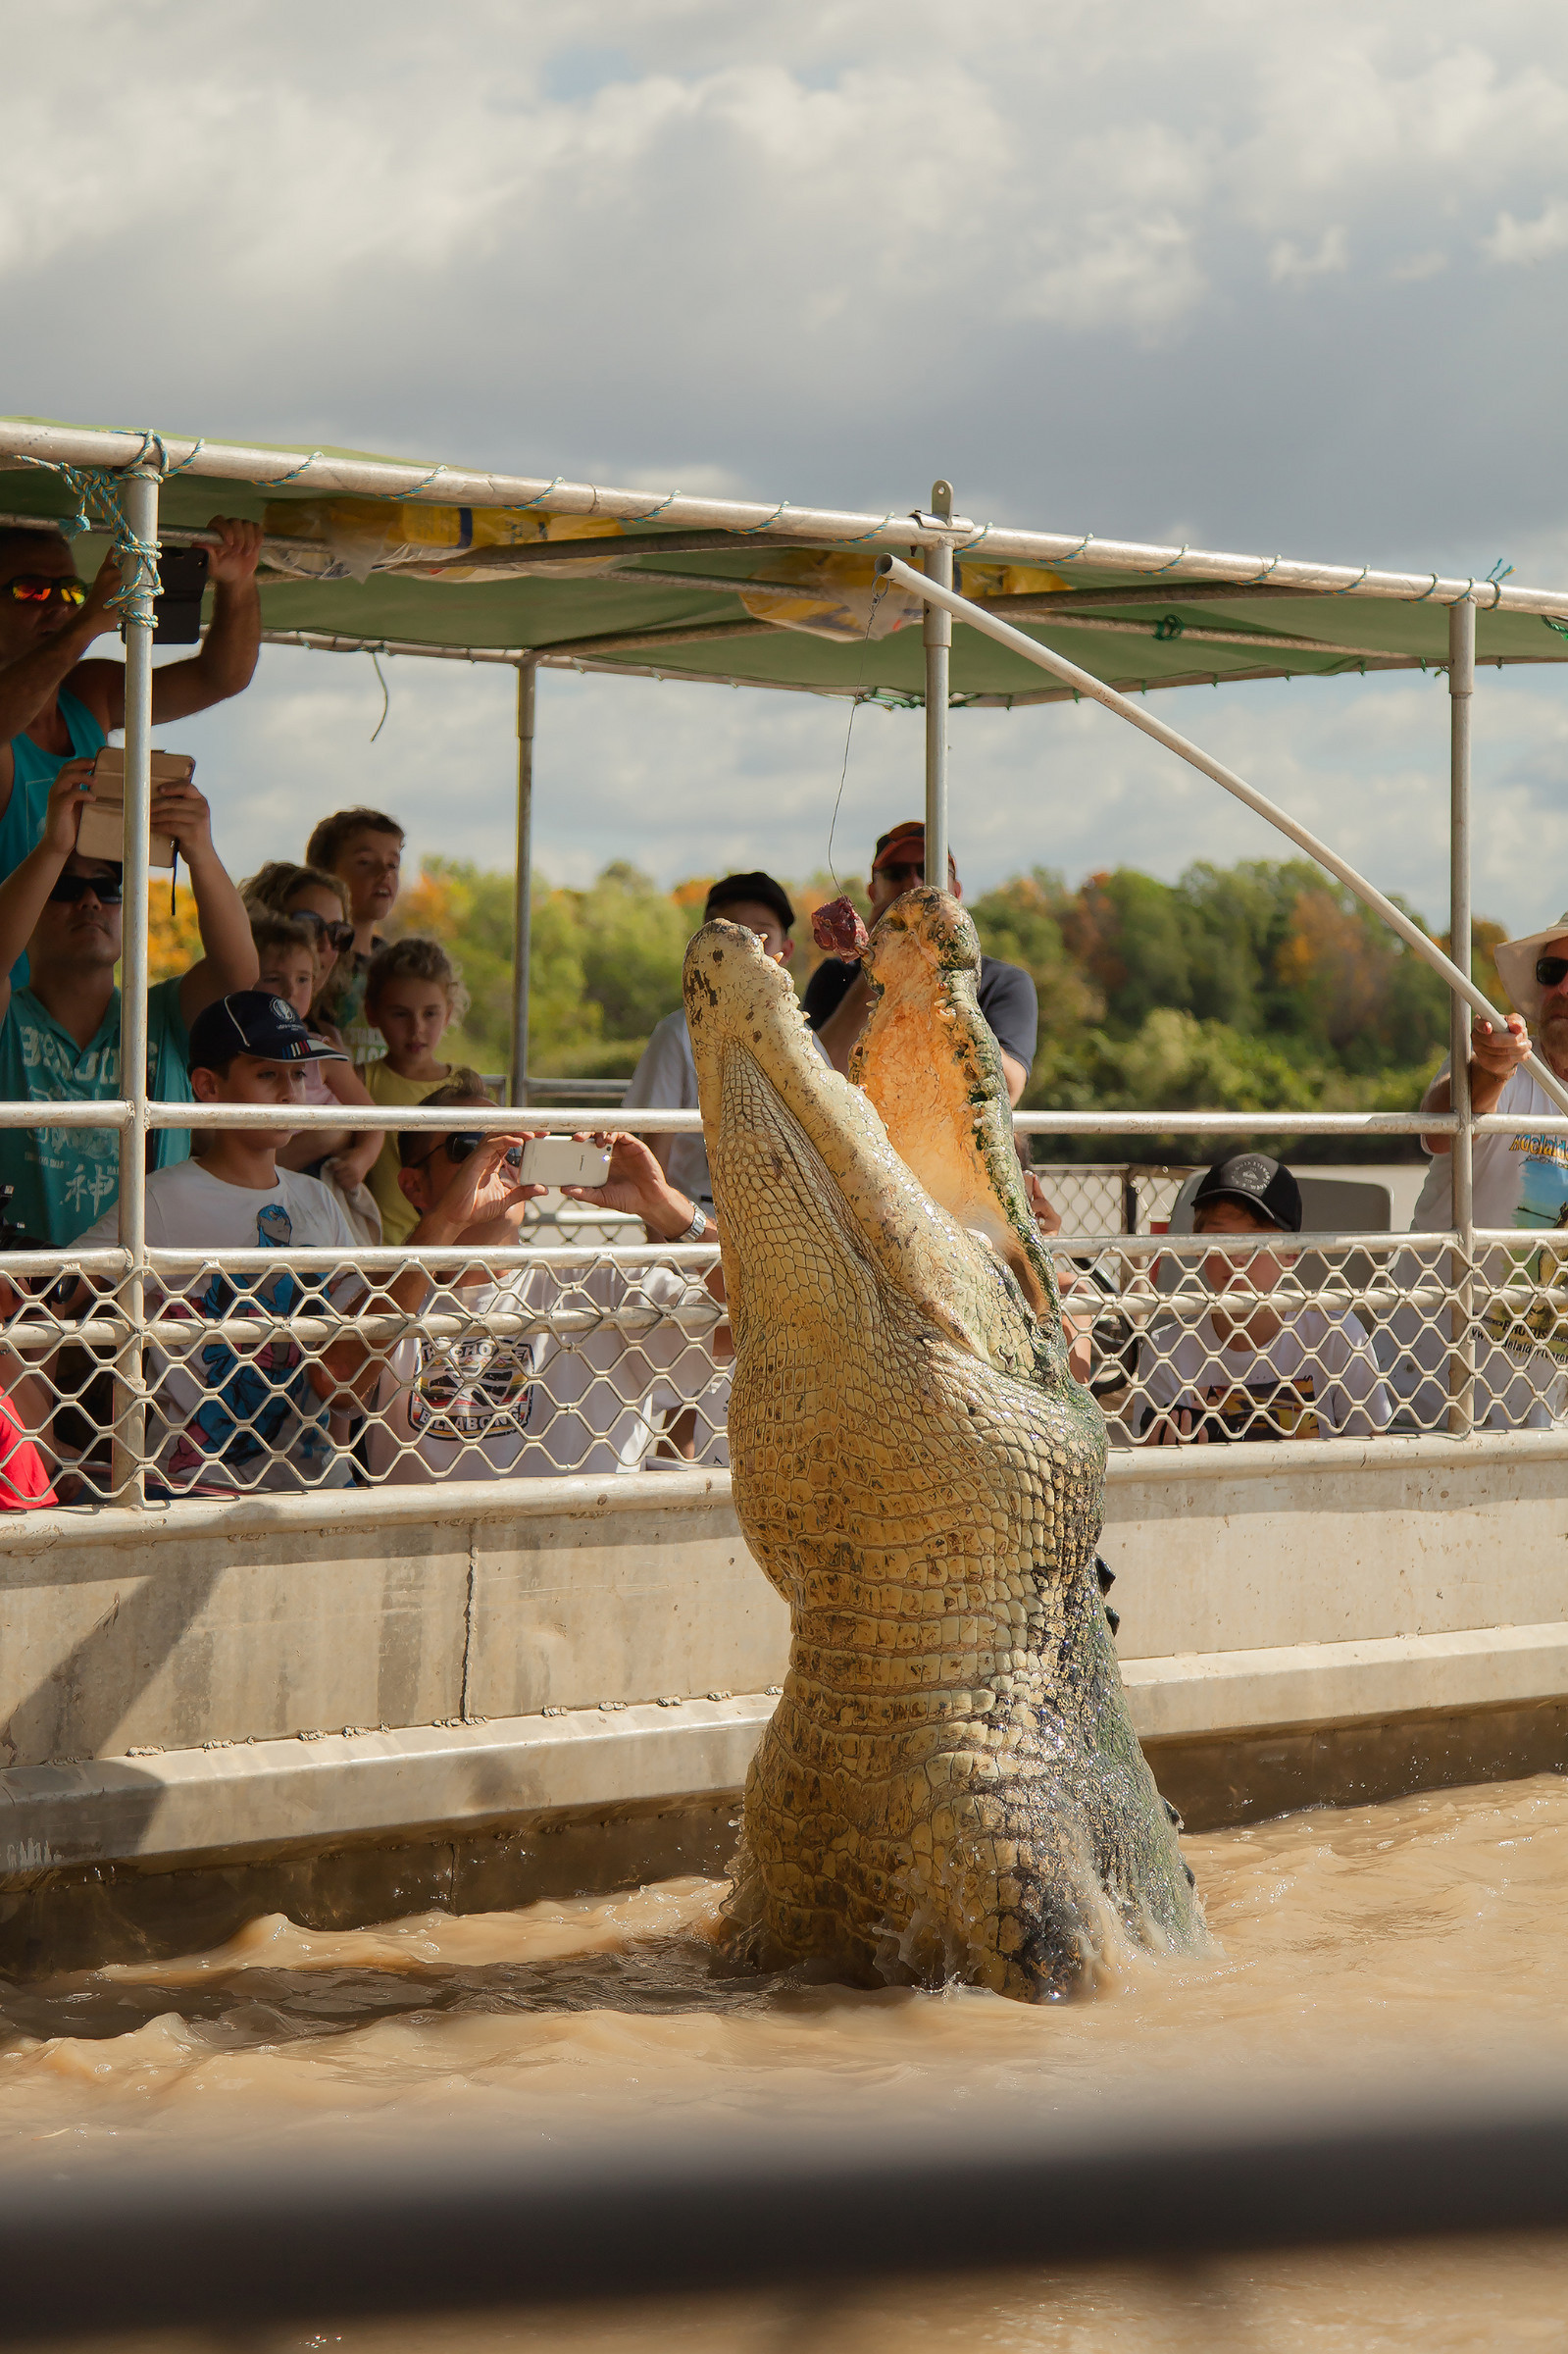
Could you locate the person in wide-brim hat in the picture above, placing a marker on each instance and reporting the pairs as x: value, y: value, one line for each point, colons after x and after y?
x: 1517, y: 1180
x: 1517, y: 960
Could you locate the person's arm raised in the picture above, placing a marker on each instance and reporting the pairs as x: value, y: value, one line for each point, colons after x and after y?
x: 230, y: 961
x: 25, y: 889
x: 638, y: 1185
x: 30, y: 684
x: 227, y: 661
x: 1495, y: 1057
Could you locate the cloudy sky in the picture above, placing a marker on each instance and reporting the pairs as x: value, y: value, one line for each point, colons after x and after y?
x: 1268, y: 279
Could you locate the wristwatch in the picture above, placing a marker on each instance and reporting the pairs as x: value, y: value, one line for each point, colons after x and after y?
x: 698, y: 1228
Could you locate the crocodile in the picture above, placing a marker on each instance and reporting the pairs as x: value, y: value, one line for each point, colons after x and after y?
x: 950, y: 1785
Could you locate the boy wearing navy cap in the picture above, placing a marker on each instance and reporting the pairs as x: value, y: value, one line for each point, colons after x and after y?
x: 258, y: 1417
x: 1250, y: 1368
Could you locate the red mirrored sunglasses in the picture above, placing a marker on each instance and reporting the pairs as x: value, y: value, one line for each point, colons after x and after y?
x: 39, y: 587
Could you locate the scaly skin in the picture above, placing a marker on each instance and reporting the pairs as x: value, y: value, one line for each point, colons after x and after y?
x: 950, y: 1785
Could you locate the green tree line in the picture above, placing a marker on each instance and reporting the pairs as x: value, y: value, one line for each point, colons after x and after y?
x: 1262, y: 987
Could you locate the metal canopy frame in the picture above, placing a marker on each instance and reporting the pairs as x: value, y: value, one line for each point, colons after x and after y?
x: 46, y: 456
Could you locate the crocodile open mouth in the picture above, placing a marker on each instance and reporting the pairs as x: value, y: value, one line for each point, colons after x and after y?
x: 921, y: 1479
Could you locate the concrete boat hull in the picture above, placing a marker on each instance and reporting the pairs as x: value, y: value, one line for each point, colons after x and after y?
x: 349, y: 1706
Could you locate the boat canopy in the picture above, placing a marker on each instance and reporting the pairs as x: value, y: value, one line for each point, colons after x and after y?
x: 371, y: 552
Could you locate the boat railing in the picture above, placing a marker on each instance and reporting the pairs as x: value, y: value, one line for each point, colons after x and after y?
x: 153, y: 1374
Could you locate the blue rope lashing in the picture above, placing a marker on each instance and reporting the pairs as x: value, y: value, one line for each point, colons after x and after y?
x: 279, y: 480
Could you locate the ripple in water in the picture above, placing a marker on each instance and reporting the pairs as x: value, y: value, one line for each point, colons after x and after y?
x: 1392, y: 1937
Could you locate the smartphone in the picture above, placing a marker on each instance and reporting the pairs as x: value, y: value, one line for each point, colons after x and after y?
x: 177, y: 608
x: 562, y: 1160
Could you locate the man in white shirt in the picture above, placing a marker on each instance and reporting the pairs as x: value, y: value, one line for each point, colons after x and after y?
x: 1251, y: 1369
x: 226, y: 1417
x: 667, y: 1074
x: 486, y: 1403
x: 1518, y: 1181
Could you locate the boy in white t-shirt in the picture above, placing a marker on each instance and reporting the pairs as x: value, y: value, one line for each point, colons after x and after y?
x: 536, y: 1403
x: 1250, y: 1368
x: 223, y: 1417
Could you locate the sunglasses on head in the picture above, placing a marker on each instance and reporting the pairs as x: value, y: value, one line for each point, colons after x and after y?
x: 38, y: 587
x: 336, y: 935
x: 1550, y: 970
x: 106, y: 890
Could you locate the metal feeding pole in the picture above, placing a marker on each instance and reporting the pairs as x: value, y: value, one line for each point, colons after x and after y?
x: 528, y: 673
x: 938, y: 642
x: 127, y: 1476
x: 1084, y: 683
x: 1461, y: 687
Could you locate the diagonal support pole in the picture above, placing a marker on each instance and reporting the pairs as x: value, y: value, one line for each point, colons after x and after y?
x: 1085, y: 683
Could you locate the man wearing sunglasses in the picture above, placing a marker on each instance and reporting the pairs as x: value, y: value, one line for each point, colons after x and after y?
x: 60, y: 1034
x: 56, y: 705
x: 481, y: 1406
x: 837, y: 998
x: 1519, y: 1181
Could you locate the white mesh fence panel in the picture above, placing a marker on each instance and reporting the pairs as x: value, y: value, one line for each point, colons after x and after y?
x: 588, y: 1350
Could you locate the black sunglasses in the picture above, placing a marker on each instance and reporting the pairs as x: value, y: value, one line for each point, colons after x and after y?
x: 336, y: 935
x: 106, y: 890
x: 1550, y: 970
x: 458, y: 1145
x: 903, y: 871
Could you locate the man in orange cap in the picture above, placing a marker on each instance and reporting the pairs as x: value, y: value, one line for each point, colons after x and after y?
x: 837, y: 998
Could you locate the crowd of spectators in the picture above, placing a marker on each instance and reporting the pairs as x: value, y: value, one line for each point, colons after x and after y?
x: 301, y: 996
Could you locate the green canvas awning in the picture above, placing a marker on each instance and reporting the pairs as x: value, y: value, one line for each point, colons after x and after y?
x: 659, y: 597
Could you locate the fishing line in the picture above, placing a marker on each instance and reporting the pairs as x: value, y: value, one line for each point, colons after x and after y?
x: 877, y: 595
x: 386, y: 700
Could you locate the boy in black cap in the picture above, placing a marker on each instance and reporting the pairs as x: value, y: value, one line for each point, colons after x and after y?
x: 667, y: 1074
x: 1248, y: 1370
x: 258, y: 1417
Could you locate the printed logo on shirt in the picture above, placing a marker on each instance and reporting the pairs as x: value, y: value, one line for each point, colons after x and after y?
x: 260, y: 1403
x: 466, y: 1392
x: 1542, y: 1180
x: 1532, y: 1313
x: 1268, y: 1410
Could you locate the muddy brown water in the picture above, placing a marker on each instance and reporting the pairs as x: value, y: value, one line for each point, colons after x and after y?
x: 1423, y: 1934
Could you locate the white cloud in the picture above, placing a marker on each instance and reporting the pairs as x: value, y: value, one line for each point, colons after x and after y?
x: 1419, y: 267
x: 829, y: 252
x: 1287, y: 262
x: 1517, y: 243
x: 687, y: 779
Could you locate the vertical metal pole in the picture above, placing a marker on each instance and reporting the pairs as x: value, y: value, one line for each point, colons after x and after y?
x: 128, y: 1475
x: 522, y: 917
x: 1461, y: 687
x: 938, y: 638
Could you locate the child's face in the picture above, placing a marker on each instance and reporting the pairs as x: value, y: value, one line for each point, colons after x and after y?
x: 411, y: 1016
x: 290, y: 973
x: 316, y: 899
x: 1224, y: 1271
x: 370, y: 866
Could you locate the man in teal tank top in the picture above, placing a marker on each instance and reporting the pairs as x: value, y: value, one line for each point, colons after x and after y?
x: 57, y: 705
x: 60, y: 1034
